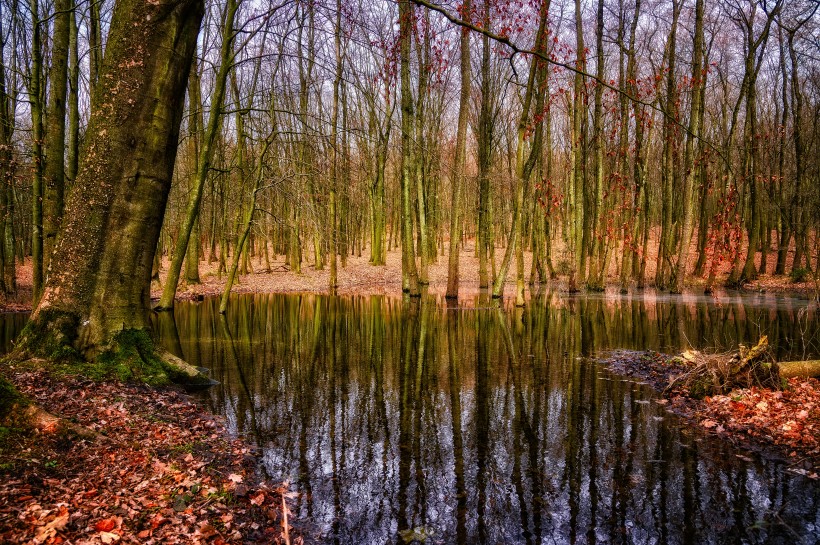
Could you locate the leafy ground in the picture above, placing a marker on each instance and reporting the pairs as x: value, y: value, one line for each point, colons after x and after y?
x: 782, y: 424
x: 160, y: 471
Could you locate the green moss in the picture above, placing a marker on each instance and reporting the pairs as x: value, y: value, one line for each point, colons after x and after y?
x: 130, y: 356
x: 51, y: 336
x: 701, y: 387
x: 9, y: 398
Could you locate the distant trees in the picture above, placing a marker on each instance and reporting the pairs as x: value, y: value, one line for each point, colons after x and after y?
x: 616, y: 140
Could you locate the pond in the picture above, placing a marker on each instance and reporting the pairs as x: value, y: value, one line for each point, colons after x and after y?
x: 398, y: 420
x: 408, y: 419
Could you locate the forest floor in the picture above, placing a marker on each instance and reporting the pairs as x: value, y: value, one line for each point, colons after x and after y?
x: 780, y: 424
x: 359, y: 277
x: 159, y: 471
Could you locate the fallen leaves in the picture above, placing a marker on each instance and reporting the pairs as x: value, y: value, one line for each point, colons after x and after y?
x: 162, y: 472
x: 784, y: 423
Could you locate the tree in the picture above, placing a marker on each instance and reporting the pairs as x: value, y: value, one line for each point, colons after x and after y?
x: 206, y: 154
x: 460, y: 159
x: 95, y: 303
x: 409, y: 276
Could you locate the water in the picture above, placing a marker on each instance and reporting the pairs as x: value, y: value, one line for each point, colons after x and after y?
x: 398, y: 420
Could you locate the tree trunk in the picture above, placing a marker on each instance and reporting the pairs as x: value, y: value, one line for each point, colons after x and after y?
x: 332, y: 215
x: 36, y: 98
x: 459, y: 164
x: 8, y: 280
x: 670, y: 141
x: 54, y: 168
x: 96, y: 300
x: 691, y: 148
x: 576, y: 193
x: 484, y: 140
x: 595, y: 282
x: 409, y: 277
x: 206, y: 154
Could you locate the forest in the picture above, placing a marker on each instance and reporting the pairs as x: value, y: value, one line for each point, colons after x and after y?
x: 615, y: 142
x: 395, y: 253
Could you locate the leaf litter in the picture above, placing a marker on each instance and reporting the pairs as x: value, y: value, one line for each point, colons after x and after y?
x: 780, y: 423
x: 161, y: 471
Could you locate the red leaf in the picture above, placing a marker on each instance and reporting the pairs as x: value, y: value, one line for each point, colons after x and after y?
x: 105, y: 525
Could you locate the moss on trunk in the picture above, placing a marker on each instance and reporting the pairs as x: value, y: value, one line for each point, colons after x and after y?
x: 129, y: 355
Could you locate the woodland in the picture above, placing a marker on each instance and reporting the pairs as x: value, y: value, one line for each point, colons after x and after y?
x: 618, y: 144
x: 635, y: 143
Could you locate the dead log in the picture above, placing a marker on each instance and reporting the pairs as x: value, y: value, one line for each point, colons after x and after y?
x: 803, y: 369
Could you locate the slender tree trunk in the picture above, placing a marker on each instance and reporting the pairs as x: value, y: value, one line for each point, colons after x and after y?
x: 95, y: 45
x: 194, y: 138
x: 73, y: 146
x: 460, y: 160
x: 484, y: 139
x: 670, y: 143
x: 692, y: 138
x: 54, y: 167
x: 410, y: 280
x: 36, y: 101
x: 334, y: 138
x: 206, y: 154
x: 597, y: 272
x: 8, y: 281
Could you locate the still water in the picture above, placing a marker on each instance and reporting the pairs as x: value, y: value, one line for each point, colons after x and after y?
x: 399, y: 420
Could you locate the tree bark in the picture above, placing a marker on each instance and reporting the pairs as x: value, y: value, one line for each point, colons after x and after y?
x: 54, y: 168
x: 409, y: 277
x: 98, y: 291
x: 460, y: 159
x: 689, y: 172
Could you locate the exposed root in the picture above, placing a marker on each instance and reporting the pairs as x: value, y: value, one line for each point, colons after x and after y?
x: 710, y: 374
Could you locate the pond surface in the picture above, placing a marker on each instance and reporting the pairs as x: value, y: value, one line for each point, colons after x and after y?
x: 396, y: 420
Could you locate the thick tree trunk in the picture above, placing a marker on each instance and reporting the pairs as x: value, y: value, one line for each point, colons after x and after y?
x: 98, y: 291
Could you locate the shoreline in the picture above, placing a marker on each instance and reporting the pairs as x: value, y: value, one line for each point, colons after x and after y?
x: 782, y: 425
x: 362, y: 278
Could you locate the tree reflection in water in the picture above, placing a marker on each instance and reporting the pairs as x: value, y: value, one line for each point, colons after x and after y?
x: 491, y: 425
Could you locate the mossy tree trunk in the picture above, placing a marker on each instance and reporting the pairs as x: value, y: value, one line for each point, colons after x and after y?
x: 99, y: 284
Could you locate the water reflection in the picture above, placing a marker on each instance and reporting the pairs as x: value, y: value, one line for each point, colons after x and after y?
x: 407, y: 419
